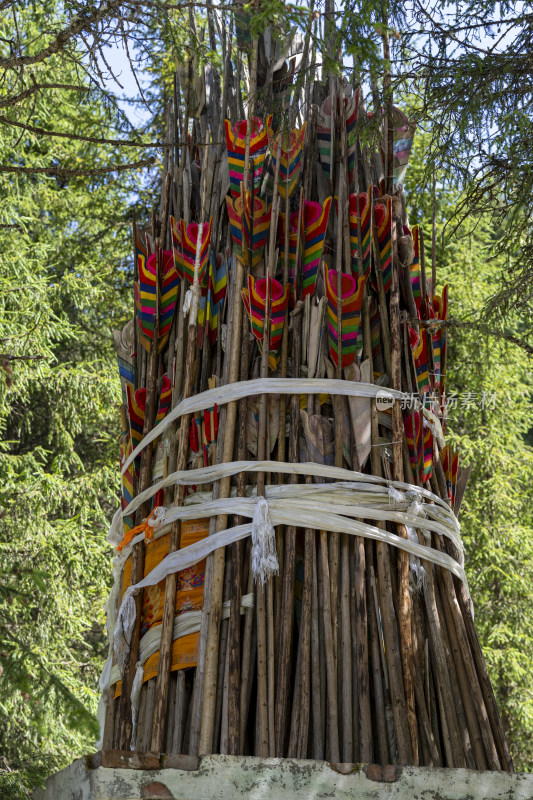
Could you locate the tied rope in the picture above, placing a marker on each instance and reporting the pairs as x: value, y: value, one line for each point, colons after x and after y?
x: 415, y: 508
x: 264, y: 556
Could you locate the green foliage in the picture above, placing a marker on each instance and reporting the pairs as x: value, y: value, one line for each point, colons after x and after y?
x: 64, y: 285
x: 468, y: 63
x: 490, y: 433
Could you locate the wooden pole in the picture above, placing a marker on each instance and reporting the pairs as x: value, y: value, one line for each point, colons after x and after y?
x: 265, y: 648
x: 289, y: 562
x: 123, y: 737
x: 218, y: 559
x: 234, y: 684
x: 404, y: 599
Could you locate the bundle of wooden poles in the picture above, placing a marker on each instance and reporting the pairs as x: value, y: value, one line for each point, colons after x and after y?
x: 286, y: 252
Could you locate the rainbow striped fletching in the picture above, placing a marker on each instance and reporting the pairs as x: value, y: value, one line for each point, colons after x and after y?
x: 350, y: 310
x: 290, y: 165
x: 414, y: 269
x: 450, y: 464
x: 418, y: 342
x: 314, y: 224
x: 127, y: 376
x: 184, y: 245
x: 413, y: 435
x: 303, y: 270
x: 438, y: 339
x: 261, y: 293
x: 384, y: 225
x: 155, y: 298
x: 216, y: 292
x: 168, y: 297
x: 127, y: 479
x: 351, y: 105
x: 136, y: 409
x: 360, y: 208
x: 324, y: 133
x: 249, y: 233
x: 164, y: 399
x: 428, y: 452
x: 145, y: 291
x: 236, y: 146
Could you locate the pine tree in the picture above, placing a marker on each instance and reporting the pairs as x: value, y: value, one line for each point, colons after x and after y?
x: 65, y: 283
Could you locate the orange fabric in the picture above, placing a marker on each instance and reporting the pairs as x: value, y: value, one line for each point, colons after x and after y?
x: 190, y: 584
x: 144, y: 527
x: 184, y: 654
x: 189, y: 596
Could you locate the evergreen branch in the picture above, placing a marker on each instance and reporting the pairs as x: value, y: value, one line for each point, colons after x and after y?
x: 11, y: 101
x: 482, y: 327
x: 145, y: 162
x: 11, y: 357
x: 78, y: 24
x: 100, y: 140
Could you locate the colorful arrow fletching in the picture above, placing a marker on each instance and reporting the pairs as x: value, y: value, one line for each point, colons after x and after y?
x: 242, y: 224
x: 236, y: 147
x: 290, y: 159
x: 184, y: 241
x: 384, y: 225
x: 168, y: 296
x: 413, y: 435
x: 360, y: 207
x: 164, y: 399
x: 438, y: 340
x: 255, y: 301
x: 351, y: 302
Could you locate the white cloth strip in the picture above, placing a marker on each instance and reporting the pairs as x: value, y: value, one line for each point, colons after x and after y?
x: 204, y: 475
x: 295, y: 507
x: 321, y: 519
x: 235, y: 391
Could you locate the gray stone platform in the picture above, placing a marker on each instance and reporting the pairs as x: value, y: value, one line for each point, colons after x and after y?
x: 229, y: 778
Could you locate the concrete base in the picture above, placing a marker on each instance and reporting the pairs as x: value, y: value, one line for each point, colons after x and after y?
x: 228, y: 778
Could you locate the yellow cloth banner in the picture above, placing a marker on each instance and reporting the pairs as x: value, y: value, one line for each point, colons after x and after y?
x: 189, y: 596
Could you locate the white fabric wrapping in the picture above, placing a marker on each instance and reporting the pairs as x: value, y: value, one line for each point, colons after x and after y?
x: 184, y: 624
x: 319, y: 515
x: 210, y: 474
x: 264, y: 556
x: 418, y: 571
x: 124, y: 627
x: 235, y: 391
x: 116, y: 529
x: 395, y: 496
x: 298, y: 499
